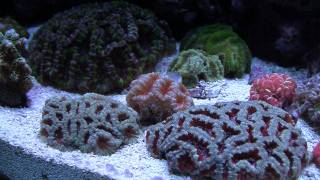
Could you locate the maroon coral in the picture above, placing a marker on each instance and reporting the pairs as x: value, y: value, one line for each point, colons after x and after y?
x: 156, y: 97
x: 316, y: 154
x: 275, y: 89
x: 232, y: 140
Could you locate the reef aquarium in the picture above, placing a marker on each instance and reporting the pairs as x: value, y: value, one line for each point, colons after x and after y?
x: 160, y: 90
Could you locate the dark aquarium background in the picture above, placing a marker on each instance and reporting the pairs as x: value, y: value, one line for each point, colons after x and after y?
x: 219, y: 89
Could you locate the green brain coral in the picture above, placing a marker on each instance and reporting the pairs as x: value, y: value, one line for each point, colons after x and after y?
x: 223, y: 41
x: 195, y: 65
x: 8, y: 23
x: 98, y: 47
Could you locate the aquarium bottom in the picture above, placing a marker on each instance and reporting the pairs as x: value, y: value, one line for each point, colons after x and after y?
x: 18, y: 164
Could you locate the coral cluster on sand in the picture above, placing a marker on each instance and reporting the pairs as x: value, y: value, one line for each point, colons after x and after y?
x: 221, y: 40
x: 275, y: 89
x: 195, y: 65
x: 230, y: 140
x: 307, y: 101
x: 8, y: 23
x: 91, y: 123
x: 15, y: 74
x: 98, y: 47
x: 156, y: 97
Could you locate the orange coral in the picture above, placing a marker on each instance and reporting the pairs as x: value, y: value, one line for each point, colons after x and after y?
x: 156, y: 97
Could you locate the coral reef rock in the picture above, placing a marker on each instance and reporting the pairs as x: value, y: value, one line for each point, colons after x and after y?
x: 8, y: 23
x: 98, y: 47
x: 156, y: 97
x: 195, y: 65
x: 275, y: 89
x: 307, y: 101
x: 230, y: 140
x: 91, y: 123
x: 221, y: 40
x: 15, y: 74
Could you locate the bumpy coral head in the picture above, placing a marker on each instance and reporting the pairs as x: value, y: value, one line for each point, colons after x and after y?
x: 230, y: 140
x: 98, y: 47
x: 156, y: 97
x: 275, y: 89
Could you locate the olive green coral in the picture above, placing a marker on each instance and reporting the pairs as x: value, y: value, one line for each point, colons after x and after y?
x: 221, y: 40
x: 195, y: 65
x: 8, y: 23
x: 15, y: 74
x: 98, y: 47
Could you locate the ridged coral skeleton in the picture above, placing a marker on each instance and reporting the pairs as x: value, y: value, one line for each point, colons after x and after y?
x: 230, y: 140
x: 276, y: 89
x: 92, y: 123
x: 156, y: 97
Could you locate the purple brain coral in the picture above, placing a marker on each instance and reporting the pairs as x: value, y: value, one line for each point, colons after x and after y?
x: 231, y: 140
x: 91, y: 123
x: 156, y: 97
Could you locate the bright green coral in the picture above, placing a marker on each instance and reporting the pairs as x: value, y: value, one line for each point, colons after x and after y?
x: 223, y: 41
x: 195, y: 65
x: 98, y: 47
x: 15, y: 74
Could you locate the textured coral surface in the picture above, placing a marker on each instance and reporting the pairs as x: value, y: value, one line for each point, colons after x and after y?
x: 307, y: 101
x: 91, y: 123
x: 223, y: 41
x: 232, y: 140
x: 275, y: 89
x: 195, y: 65
x: 8, y: 23
x: 156, y: 97
x: 15, y: 74
x: 98, y: 47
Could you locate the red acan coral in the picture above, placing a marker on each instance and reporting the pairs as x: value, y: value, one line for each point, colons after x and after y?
x: 275, y: 89
x: 155, y: 97
x: 316, y: 154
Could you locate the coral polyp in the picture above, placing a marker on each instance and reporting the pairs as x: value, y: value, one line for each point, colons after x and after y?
x: 99, y: 47
x: 156, y: 97
x: 91, y: 123
x: 230, y: 140
x: 276, y: 89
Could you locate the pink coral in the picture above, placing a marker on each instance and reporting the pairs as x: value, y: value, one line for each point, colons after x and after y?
x: 275, y: 89
x: 316, y: 154
x: 156, y: 97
